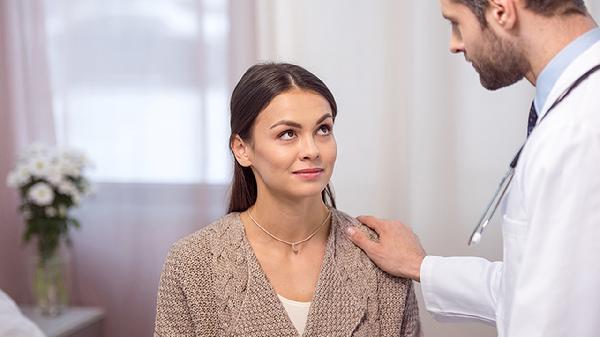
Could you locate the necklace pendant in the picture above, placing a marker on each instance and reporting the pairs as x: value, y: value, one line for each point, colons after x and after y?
x: 295, y: 248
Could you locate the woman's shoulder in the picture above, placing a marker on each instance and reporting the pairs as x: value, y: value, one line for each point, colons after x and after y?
x: 208, y: 240
x: 343, y: 221
x: 394, y: 294
x: 350, y: 255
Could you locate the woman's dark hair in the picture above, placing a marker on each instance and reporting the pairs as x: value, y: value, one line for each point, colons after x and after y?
x: 255, y: 90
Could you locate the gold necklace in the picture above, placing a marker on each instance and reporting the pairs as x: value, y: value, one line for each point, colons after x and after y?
x: 294, y: 245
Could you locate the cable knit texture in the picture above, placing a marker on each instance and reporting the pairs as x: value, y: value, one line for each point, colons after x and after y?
x: 213, y: 285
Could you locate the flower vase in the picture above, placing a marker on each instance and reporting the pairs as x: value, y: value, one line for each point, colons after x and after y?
x: 49, y: 284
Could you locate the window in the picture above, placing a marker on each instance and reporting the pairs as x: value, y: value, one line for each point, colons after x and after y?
x: 141, y: 87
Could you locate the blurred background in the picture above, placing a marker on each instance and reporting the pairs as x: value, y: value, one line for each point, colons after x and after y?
x: 142, y: 87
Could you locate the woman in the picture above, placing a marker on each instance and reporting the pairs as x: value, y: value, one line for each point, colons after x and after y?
x: 279, y: 264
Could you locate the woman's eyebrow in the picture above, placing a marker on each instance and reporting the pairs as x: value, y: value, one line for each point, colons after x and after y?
x: 288, y: 123
x: 324, y: 117
x: 298, y: 125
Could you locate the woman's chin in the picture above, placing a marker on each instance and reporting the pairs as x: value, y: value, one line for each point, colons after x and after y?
x: 306, y: 193
x: 297, y: 191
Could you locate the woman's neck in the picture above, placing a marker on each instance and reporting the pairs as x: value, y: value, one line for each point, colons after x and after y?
x: 290, y: 220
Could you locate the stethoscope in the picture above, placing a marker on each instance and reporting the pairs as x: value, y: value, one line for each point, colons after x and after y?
x: 504, y: 185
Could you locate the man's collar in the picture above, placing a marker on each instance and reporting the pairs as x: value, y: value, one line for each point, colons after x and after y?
x: 555, y: 68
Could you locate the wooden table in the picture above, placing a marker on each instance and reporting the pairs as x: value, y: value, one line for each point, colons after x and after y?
x: 73, y: 322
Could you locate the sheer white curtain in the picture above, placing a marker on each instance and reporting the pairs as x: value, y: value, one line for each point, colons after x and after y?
x: 25, y: 117
x: 25, y: 77
x: 141, y: 86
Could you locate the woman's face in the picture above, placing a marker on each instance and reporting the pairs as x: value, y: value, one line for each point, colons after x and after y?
x: 292, y: 152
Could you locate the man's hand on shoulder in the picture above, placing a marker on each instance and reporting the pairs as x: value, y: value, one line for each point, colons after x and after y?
x: 398, y: 251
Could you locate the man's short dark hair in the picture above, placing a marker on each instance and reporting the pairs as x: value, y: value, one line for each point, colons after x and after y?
x: 542, y: 7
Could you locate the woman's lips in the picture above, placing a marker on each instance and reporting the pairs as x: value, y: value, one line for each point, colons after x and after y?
x: 311, y: 173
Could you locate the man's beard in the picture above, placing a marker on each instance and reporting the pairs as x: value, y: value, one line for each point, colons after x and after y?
x: 500, y: 63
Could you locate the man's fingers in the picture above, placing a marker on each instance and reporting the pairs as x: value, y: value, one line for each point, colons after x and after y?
x: 361, y: 240
x: 371, y: 222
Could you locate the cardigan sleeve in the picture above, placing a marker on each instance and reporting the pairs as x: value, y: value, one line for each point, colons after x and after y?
x: 411, y: 324
x: 398, y: 309
x: 173, y: 316
x: 187, y: 304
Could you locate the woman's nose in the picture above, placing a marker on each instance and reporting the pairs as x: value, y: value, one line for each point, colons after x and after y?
x: 309, y: 149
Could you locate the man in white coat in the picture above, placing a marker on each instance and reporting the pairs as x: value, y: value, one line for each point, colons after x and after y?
x: 548, y: 283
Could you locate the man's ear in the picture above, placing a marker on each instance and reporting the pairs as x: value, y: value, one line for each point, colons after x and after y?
x: 502, y: 13
x: 241, y: 150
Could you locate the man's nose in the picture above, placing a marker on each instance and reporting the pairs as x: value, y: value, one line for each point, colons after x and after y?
x: 456, y: 45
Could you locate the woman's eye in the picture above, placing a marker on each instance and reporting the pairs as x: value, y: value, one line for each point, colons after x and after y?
x: 287, y: 135
x: 324, y: 130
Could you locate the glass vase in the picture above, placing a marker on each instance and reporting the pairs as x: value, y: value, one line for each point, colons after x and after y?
x: 49, y: 285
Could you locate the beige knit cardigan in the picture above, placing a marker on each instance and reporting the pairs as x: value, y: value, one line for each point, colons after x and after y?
x: 213, y: 285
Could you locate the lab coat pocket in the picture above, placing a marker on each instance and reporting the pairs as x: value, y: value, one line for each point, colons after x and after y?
x: 513, y: 226
x: 514, y: 233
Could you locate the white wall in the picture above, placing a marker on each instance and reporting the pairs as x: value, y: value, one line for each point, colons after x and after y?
x: 418, y: 138
x: 343, y: 45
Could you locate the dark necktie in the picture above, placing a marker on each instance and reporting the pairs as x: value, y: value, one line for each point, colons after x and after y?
x: 532, y: 119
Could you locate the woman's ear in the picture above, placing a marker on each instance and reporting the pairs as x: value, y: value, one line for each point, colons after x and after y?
x: 241, y: 150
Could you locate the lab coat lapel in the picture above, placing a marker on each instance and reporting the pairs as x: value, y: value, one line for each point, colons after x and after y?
x: 581, y: 65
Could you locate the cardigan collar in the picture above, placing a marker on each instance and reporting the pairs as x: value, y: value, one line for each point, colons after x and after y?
x: 340, y: 299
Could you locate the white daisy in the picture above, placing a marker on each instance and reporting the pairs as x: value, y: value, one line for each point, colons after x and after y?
x: 18, y: 177
x: 41, y: 194
x: 67, y: 187
x: 12, y: 179
x: 54, y: 175
x: 39, y: 165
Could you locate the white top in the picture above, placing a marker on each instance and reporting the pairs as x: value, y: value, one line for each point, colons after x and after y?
x: 297, y: 311
x: 548, y: 283
x: 13, y: 323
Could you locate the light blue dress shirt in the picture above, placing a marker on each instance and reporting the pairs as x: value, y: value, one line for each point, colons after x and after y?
x: 559, y: 64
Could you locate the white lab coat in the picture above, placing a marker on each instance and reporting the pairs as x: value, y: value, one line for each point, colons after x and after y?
x: 549, y: 281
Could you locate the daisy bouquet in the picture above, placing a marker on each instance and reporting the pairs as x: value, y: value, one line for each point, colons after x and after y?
x: 50, y: 184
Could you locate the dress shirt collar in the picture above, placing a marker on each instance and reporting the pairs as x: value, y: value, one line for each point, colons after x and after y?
x: 553, y: 70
